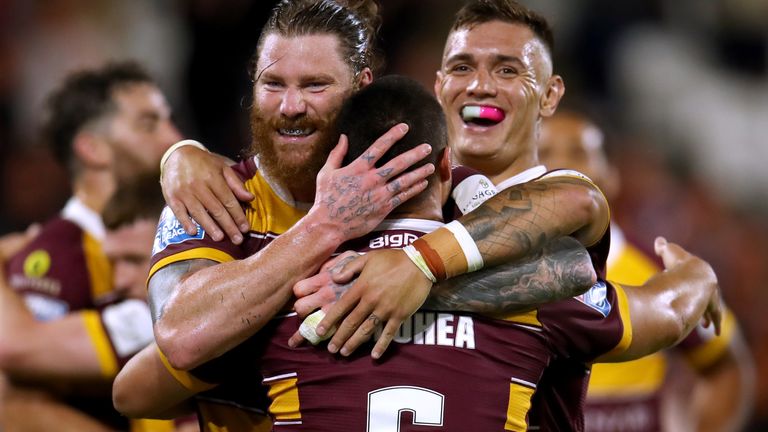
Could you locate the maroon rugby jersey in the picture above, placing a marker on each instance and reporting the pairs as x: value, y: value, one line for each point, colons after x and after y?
x: 453, y: 370
x: 61, y: 270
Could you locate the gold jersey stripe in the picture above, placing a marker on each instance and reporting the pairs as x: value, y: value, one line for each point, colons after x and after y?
x: 285, y: 399
x: 626, y: 336
x: 152, y: 425
x: 185, y: 378
x: 100, y: 340
x: 99, y: 267
x: 528, y: 318
x: 633, y: 378
x: 196, y: 253
x: 518, y: 406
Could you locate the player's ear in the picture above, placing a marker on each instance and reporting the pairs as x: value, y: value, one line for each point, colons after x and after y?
x: 554, y: 91
x: 364, y: 78
x: 91, y: 149
x: 444, y: 164
x: 438, y: 85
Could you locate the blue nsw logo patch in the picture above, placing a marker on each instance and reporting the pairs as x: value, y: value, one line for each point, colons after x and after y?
x: 597, y: 298
x: 170, y: 231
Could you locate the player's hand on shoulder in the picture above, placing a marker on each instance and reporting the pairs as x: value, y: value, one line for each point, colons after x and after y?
x: 388, y: 290
x: 202, y: 186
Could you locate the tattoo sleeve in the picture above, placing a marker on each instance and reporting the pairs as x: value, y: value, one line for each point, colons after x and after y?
x: 562, y: 269
x: 164, y: 282
x: 520, y: 220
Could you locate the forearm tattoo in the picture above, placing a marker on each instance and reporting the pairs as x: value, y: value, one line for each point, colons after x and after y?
x: 519, y: 220
x: 562, y: 269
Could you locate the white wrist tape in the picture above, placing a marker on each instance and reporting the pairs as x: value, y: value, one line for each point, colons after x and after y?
x: 418, y: 259
x: 177, y: 146
x: 308, y: 327
x: 474, y: 259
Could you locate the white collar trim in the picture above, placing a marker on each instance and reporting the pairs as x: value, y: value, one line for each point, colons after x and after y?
x: 84, y: 217
x: 523, y: 177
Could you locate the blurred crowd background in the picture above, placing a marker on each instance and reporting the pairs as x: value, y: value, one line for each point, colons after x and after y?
x: 680, y: 87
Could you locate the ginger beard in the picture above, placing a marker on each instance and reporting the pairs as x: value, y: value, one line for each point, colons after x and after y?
x: 293, y: 164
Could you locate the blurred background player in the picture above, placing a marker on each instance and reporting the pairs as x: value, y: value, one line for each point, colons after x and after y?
x: 107, y: 125
x: 629, y: 396
x: 67, y: 359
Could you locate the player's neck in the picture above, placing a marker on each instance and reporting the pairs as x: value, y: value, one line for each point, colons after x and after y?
x: 94, y: 188
x: 427, y: 205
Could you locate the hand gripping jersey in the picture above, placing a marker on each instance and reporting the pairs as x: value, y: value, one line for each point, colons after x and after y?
x: 626, y: 396
x: 269, y: 214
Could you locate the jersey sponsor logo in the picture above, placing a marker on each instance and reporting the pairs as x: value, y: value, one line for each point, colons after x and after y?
x: 48, y: 286
x: 472, y: 191
x: 170, y: 231
x: 37, y: 264
x: 392, y: 240
x: 597, y: 298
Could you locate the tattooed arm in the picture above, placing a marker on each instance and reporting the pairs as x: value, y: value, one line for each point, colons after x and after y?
x: 560, y: 270
x: 515, y: 223
x: 519, y: 220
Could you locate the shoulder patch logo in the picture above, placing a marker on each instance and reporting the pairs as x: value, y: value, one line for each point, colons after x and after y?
x: 170, y: 231
x: 37, y: 264
x: 597, y: 298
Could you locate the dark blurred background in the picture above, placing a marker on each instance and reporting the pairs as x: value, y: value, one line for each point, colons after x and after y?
x: 681, y: 87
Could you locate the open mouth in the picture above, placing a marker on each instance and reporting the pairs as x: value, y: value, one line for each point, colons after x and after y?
x: 482, y: 115
x: 295, y: 132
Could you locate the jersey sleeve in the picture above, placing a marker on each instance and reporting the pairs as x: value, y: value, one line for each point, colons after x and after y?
x: 173, y: 244
x: 117, y: 332
x: 590, y: 325
x: 469, y: 189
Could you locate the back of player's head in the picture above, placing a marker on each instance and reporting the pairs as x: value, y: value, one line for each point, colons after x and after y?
x: 390, y: 100
x: 85, y: 97
x: 353, y: 22
x: 477, y: 12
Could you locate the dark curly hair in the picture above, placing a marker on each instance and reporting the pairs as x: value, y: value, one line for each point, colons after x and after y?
x: 84, y: 97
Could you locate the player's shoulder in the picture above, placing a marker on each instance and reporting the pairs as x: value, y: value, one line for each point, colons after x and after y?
x: 469, y: 188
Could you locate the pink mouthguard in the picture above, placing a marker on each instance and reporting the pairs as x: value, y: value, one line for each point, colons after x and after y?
x: 482, y: 112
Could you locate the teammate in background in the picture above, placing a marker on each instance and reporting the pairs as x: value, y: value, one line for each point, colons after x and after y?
x: 628, y: 396
x: 62, y: 355
x: 106, y: 125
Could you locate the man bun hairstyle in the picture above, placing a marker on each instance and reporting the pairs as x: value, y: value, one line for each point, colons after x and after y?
x: 482, y: 11
x: 390, y: 100
x: 84, y: 97
x: 354, y: 22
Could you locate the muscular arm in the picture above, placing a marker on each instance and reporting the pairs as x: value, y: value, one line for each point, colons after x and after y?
x: 144, y: 388
x: 214, y: 309
x: 513, y: 224
x: 560, y: 270
x: 520, y: 220
x: 670, y: 304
